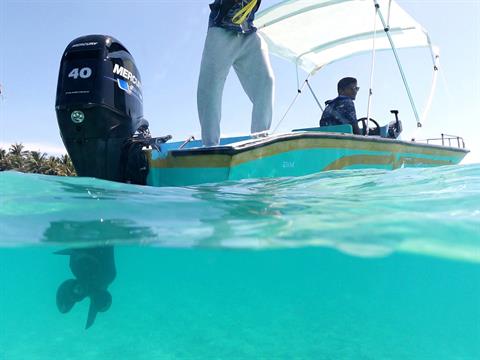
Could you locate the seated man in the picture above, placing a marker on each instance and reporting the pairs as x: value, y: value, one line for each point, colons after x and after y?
x: 341, y: 110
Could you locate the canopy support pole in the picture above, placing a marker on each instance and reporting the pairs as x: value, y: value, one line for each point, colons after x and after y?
x: 388, y: 14
x: 372, y: 70
x: 314, y: 96
x: 397, y: 59
x: 298, y: 78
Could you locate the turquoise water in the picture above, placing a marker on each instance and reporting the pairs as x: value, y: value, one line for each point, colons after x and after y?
x: 340, y: 265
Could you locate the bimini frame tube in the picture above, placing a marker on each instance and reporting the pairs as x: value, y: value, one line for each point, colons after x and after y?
x: 386, y: 29
x: 372, y: 69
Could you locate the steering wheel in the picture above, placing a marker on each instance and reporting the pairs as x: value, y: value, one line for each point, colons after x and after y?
x: 371, y: 130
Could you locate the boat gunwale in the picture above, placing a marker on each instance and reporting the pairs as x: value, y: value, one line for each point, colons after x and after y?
x: 249, y: 145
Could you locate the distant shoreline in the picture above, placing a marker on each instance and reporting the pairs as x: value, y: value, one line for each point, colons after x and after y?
x: 18, y: 159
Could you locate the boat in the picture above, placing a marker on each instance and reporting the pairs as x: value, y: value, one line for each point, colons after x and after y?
x: 298, y: 153
x: 100, y: 107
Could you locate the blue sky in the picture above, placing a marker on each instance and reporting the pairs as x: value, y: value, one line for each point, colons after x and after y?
x: 166, y: 39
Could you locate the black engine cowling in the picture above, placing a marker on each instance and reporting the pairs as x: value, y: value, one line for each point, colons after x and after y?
x: 99, y: 108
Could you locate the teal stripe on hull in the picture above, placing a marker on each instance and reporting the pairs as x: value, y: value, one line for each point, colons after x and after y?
x: 186, y: 176
x: 293, y: 163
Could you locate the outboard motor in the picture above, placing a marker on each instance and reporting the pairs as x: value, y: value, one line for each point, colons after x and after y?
x: 99, y: 108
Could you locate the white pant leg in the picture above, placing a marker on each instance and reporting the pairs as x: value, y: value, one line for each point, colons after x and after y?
x: 256, y: 76
x: 221, y: 47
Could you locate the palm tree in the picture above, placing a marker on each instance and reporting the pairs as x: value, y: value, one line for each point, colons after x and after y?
x: 3, y: 159
x: 66, y: 166
x: 16, y: 149
x: 19, y: 159
x: 15, y: 156
x: 35, y: 162
x: 52, y: 166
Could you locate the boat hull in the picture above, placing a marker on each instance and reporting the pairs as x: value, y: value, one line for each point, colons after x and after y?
x: 293, y: 154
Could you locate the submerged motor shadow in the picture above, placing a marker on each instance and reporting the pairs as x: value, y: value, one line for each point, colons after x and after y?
x: 93, y: 266
x: 94, y: 270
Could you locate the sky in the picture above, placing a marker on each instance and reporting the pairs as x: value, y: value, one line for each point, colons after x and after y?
x: 166, y: 39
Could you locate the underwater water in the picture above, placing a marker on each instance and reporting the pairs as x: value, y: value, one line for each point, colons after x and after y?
x: 361, y: 264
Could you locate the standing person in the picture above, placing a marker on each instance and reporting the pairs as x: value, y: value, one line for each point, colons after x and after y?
x: 341, y: 110
x: 232, y: 40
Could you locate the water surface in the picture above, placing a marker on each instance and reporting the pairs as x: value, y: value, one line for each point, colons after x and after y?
x: 340, y: 265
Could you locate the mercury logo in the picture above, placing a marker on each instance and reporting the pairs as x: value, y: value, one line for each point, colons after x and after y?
x: 85, y: 44
x: 77, y: 116
x: 126, y: 74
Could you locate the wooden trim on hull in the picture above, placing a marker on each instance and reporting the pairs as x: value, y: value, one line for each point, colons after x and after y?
x: 352, y: 160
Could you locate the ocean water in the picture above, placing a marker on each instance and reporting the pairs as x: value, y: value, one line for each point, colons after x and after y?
x: 363, y: 264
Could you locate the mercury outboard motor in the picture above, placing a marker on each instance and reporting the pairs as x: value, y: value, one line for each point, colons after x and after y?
x: 99, y: 109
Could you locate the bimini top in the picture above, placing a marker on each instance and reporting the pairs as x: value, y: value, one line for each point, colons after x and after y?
x: 314, y: 33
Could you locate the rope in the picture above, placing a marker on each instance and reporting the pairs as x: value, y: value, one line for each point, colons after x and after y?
x: 244, y: 12
x: 432, y: 92
x: 299, y: 91
x: 430, y: 97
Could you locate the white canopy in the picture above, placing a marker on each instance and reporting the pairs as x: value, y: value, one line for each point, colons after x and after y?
x: 314, y: 33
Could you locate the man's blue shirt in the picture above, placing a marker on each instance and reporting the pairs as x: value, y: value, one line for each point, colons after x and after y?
x: 223, y: 11
x: 338, y: 111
